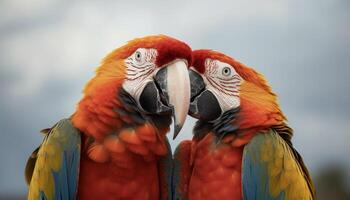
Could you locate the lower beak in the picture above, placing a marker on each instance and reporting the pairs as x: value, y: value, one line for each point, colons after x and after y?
x: 179, y: 92
x: 204, y: 105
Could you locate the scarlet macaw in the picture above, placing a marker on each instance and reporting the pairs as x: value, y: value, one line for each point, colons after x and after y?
x: 114, y: 146
x: 241, y: 147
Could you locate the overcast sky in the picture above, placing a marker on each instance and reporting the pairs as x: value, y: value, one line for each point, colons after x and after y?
x: 49, y: 50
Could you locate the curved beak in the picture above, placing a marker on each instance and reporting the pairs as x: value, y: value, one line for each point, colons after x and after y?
x: 179, y: 92
x: 204, y: 104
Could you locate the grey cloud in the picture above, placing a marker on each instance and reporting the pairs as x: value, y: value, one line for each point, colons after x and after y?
x: 301, y: 47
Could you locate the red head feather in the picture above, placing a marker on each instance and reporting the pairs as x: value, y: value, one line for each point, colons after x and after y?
x: 168, y: 49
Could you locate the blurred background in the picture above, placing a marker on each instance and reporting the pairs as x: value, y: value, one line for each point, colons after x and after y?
x: 49, y: 50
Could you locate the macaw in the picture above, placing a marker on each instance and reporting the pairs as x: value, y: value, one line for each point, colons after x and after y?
x: 114, y: 146
x: 241, y: 146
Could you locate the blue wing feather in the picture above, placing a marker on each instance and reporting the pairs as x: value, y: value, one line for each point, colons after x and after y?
x: 255, y: 181
x: 270, y: 170
x: 56, y: 171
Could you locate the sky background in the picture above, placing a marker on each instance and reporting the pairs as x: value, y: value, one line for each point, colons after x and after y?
x: 49, y: 50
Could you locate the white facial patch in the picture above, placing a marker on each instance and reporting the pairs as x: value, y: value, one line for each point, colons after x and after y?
x: 223, y: 81
x: 140, y: 69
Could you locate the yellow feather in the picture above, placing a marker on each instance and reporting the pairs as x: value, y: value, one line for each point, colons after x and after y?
x: 283, y: 183
x: 274, y: 186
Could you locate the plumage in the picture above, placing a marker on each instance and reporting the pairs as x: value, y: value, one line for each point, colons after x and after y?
x: 55, y: 175
x: 124, y: 150
x: 28, y: 172
x: 165, y: 169
x: 209, y: 170
x: 271, y: 170
x: 245, y: 150
x: 181, y: 170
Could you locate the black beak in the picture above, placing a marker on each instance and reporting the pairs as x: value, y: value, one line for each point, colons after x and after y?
x: 204, y: 104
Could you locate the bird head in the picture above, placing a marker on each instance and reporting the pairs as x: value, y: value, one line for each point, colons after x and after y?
x: 152, y: 71
x: 224, y: 90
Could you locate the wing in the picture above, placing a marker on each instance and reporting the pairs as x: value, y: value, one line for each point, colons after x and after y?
x: 28, y: 172
x: 165, y: 165
x: 52, y: 170
x: 182, y: 170
x: 272, y: 169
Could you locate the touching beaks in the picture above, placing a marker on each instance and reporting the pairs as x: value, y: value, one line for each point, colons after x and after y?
x: 179, y: 92
x: 169, y: 92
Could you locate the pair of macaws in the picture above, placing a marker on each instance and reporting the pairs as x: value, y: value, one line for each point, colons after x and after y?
x: 114, y: 146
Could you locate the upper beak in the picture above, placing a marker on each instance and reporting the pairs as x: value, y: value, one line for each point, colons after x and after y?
x: 178, y: 92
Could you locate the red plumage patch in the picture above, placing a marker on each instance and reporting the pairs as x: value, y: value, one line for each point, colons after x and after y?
x: 168, y: 49
x: 216, y: 170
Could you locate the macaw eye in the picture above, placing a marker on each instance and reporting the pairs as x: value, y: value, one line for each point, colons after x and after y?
x: 138, y: 56
x: 226, y: 71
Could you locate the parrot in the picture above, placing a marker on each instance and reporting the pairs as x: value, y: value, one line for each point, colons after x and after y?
x: 114, y: 145
x: 241, y: 146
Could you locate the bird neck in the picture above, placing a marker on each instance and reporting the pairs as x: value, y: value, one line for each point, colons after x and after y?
x: 259, y: 108
x: 95, y: 115
x: 114, y: 125
x: 220, y: 127
x: 242, y: 123
x: 102, y: 113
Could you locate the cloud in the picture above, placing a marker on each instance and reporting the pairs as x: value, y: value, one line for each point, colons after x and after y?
x: 49, y: 49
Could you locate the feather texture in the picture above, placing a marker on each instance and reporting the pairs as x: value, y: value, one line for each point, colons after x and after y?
x: 165, y: 167
x: 271, y: 171
x: 182, y: 170
x: 56, y: 171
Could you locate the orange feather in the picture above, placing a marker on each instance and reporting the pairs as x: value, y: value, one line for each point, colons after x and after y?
x: 121, y: 160
x: 114, y: 144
